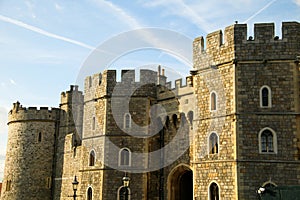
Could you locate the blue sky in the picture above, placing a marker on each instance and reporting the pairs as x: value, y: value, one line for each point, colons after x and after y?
x: 43, y: 44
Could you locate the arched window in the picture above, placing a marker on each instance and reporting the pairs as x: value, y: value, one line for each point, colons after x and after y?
x: 39, y: 137
x: 127, y: 120
x: 92, y: 158
x: 124, y: 157
x: 213, y: 143
x: 214, y: 193
x: 213, y: 101
x: 265, y: 96
x: 124, y: 193
x: 267, y: 141
x: 90, y: 194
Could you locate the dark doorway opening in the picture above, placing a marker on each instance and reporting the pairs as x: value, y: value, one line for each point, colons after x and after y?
x: 180, y: 183
x: 186, y: 186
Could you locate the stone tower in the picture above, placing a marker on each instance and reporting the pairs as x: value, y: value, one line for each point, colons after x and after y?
x: 111, y: 129
x: 30, y: 153
x: 247, y: 92
x: 68, y: 143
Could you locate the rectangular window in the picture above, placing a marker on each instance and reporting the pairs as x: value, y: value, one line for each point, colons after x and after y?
x: 8, y: 185
x: 270, y: 144
x: 48, y: 182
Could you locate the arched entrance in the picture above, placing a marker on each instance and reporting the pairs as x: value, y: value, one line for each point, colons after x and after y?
x: 180, y: 183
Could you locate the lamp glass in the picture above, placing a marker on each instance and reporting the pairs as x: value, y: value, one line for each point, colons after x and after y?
x: 75, y: 183
x: 126, y: 181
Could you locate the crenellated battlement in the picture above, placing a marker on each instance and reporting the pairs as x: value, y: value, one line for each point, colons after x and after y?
x: 127, y: 76
x: 20, y: 113
x: 179, y: 83
x: 103, y: 84
x: 234, y: 43
x: 71, y: 96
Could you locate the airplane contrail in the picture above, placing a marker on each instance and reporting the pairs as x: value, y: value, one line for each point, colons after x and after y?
x: 43, y: 32
x: 258, y: 12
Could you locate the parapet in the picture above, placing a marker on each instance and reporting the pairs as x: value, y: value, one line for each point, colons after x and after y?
x: 180, y: 87
x: 20, y: 113
x: 103, y: 84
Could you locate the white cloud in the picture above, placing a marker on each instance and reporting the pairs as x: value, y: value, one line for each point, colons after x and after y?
x: 58, y: 7
x: 30, y: 5
x: 43, y: 32
x: 8, y: 83
x: 297, y: 2
x: 184, y: 10
x: 124, y: 16
x: 209, y: 15
x: 12, y: 82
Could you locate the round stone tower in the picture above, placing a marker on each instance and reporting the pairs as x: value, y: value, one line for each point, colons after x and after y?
x: 29, y: 154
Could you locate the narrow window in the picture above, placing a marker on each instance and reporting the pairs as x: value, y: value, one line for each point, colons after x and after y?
x: 90, y: 194
x: 124, y: 157
x: 267, y: 141
x: 191, y: 117
x: 213, y: 143
x: 92, y: 158
x: 94, y: 123
x: 74, y: 152
x: 265, y: 97
x: 214, y: 192
x: 174, y: 118
x: 124, y: 193
x: 90, y: 81
x: 40, y: 137
x: 48, y: 182
x: 168, y: 122
x: 182, y: 120
x: 213, y: 101
x: 127, y: 120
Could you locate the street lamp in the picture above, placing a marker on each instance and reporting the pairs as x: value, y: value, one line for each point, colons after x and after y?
x: 260, y: 191
x: 75, y: 184
x: 125, y: 189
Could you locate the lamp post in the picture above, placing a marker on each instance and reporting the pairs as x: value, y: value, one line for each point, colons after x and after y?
x: 75, y: 184
x: 125, y: 190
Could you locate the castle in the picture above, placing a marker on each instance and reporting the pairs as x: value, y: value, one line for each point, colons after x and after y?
x: 232, y: 128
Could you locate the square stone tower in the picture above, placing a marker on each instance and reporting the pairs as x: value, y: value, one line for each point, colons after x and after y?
x: 247, y: 92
